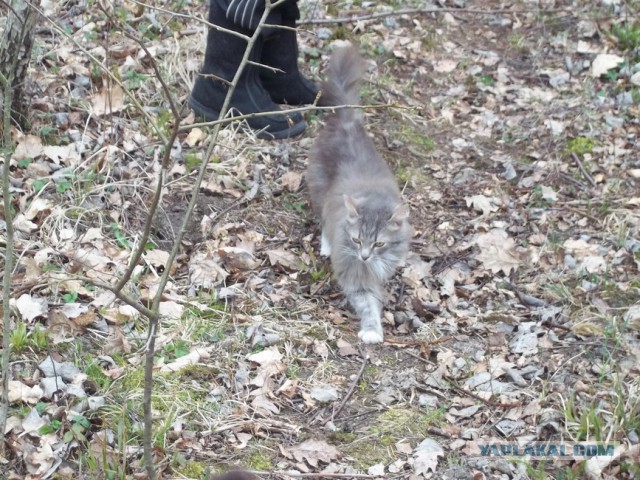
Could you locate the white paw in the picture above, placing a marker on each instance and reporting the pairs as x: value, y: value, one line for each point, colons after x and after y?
x: 325, y: 247
x: 370, y: 336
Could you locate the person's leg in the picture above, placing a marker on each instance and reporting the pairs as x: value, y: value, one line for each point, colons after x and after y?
x: 281, y: 51
x: 223, y: 54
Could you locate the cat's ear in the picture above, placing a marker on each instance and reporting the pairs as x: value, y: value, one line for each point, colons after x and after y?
x: 399, y: 216
x: 352, y: 209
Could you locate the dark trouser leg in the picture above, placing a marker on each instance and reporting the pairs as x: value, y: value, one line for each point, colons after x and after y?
x: 223, y: 54
x: 281, y: 51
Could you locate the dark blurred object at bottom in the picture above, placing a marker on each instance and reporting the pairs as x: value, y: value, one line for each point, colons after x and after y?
x: 236, y: 475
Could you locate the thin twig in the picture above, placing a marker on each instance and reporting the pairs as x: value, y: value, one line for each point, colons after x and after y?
x: 149, y: 357
x: 418, y: 357
x: 289, y: 110
x: 8, y: 257
x: 461, y: 391
x: 438, y: 431
x: 422, y: 11
x: 155, y: 201
x: 365, y: 360
x: 10, y: 7
x: 583, y: 170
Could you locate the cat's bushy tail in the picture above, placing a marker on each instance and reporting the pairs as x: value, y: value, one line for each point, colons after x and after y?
x: 344, y: 78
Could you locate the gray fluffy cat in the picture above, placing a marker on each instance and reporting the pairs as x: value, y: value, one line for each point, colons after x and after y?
x: 365, y: 226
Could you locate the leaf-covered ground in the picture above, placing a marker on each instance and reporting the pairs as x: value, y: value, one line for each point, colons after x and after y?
x: 516, y: 318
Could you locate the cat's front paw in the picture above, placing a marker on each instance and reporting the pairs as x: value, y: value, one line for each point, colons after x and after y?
x: 370, y: 336
x: 325, y: 246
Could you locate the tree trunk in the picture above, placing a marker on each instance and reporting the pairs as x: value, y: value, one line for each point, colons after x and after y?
x: 15, y: 54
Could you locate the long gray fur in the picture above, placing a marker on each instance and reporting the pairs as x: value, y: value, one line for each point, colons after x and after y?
x: 365, y: 227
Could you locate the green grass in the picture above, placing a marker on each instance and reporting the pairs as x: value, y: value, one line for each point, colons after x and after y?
x: 580, y: 146
x: 22, y: 339
x: 628, y: 36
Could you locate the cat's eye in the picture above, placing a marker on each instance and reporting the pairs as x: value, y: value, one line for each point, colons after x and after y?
x: 379, y: 244
x: 356, y: 240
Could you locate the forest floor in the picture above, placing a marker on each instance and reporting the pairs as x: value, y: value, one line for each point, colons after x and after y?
x: 513, y: 130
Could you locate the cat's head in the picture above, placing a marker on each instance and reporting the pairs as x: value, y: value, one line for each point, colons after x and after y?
x: 377, y: 232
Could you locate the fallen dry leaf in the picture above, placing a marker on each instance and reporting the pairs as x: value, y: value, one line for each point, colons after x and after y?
x: 197, y: 355
x: 29, y: 146
x: 425, y: 456
x: 483, y: 204
x: 31, y: 307
x: 497, y: 251
x: 314, y: 451
x: 605, y: 62
x: 108, y: 101
x: 284, y: 258
x: 291, y: 181
x: 19, y: 392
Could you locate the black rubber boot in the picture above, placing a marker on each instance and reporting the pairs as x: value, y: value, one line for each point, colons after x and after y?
x: 222, y: 57
x: 281, y: 51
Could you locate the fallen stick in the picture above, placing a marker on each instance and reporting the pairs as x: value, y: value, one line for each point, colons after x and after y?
x: 346, y: 398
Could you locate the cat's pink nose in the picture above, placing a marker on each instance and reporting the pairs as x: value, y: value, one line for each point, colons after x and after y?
x: 365, y: 254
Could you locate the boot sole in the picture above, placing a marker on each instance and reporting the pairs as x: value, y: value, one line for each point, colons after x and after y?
x: 211, y: 115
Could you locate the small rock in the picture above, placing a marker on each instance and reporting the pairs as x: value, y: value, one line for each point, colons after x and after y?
x: 386, y: 396
x: 614, y: 122
x: 479, y: 463
x: 633, y: 437
x: 325, y: 393
x: 478, y: 379
x: 96, y: 402
x: 459, y: 363
x: 569, y: 262
x: 376, y: 470
x: 81, y: 406
x: 218, y: 392
x: 324, y: 33
x: 478, y: 356
x: 633, y: 314
x: 508, y: 427
x: 82, y: 81
x: 524, y: 342
x: 503, y: 466
x: 76, y: 390
x: 624, y: 99
x: 509, y: 172
x: 391, y: 23
x: 635, y: 79
x: 470, y: 434
x: 62, y: 120
x: 500, y: 21
x: 428, y: 401
x: 51, y: 385
x: 632, y: 245
x: 457, y: 444
x: 559, y: 80
x: 330, y: 426
x: 67, y: 370
x: 587, y: 28
x: 266, y: 340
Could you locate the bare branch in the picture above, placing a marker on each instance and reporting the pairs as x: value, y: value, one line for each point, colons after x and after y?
x: 354, y: 384
x: 8, y: 258
x: 422, y: 11
x: 308, y: 108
